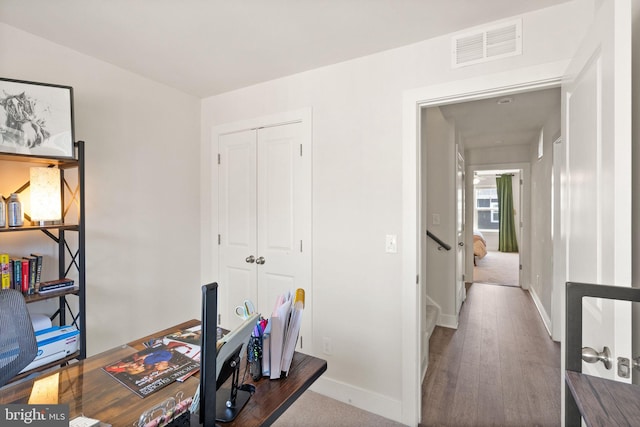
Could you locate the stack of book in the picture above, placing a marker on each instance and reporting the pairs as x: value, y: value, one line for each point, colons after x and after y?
x: 54, y: 286
x: 23, y: 274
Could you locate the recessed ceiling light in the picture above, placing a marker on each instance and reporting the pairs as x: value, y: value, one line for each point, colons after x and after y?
x: 503, y: 101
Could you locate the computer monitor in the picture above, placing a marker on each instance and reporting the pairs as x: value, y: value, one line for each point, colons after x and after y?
x: 208, y: 355
x: 216, y: 366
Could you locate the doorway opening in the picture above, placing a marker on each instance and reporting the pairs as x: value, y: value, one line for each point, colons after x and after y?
x: 500, y: 136
x: 494, y: 263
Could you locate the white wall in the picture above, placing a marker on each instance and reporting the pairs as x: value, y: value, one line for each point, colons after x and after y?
x: 440, y: 191
x: 142, y: 199
x: 357, y: 187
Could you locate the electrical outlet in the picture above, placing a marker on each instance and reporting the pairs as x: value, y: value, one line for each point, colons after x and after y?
x: 327, y: 347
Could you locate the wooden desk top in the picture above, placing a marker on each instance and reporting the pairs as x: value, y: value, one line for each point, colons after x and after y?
x: 92, y: 392
x: 604, y: 402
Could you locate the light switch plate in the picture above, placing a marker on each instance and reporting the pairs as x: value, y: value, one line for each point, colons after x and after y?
x: 391, y: 244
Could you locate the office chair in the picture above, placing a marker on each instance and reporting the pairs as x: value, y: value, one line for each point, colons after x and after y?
x: 18, y: 345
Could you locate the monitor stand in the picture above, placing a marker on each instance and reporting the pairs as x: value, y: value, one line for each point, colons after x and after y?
x: 230, y: 401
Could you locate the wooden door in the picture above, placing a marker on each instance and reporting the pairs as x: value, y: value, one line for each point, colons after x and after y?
x: 597, y: 221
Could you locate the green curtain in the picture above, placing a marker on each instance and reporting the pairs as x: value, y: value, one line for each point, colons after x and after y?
x: 507, y: 241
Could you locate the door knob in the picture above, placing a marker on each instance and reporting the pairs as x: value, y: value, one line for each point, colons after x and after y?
x: 260, y: 260
x: 589, y: 355
x: 250, y: 259
x: 460, y: 243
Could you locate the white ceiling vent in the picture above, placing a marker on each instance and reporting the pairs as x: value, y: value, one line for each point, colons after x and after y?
x: 487, y: 43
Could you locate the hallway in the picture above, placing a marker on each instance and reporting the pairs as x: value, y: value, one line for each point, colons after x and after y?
x: 500, y: 367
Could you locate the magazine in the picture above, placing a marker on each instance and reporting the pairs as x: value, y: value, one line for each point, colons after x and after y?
x: 186, y: 341
x: 151, y: 369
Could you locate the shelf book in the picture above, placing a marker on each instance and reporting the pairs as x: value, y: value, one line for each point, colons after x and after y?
x: 21, y: 273
x: 5, y: 271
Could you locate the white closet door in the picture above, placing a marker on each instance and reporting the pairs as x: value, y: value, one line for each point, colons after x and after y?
x: 264, y: 218
x: 284, y: 200
x: 237, y: 222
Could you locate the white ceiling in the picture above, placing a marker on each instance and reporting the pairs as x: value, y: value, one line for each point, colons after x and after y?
x: 488, y: 122
x: 207, y: 47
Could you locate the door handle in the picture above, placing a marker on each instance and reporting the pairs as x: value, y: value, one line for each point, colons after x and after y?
x: 460, y: 243
x: 260, y: 260
x: 589, y: 355
x: 250, y: 259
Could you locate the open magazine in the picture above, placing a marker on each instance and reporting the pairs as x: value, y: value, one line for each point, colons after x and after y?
x: 151, y: 369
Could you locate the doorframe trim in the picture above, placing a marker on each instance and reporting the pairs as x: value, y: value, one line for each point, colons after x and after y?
x: 492, y: 85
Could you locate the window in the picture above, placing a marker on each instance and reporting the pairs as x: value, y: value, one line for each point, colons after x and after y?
x: 487, y: 214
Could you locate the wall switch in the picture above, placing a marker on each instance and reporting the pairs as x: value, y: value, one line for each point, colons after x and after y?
x: 436, y: 219
x: 391, y: 244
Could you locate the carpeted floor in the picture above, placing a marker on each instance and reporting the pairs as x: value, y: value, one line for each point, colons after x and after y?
x: 315, y: 410
x: 498, y: 268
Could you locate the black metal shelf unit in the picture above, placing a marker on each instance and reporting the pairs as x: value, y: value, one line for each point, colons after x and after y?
x: 71, y: 251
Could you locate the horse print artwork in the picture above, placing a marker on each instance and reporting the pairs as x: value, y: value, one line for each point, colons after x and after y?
x: 20, y: 123
x: 35, y: 119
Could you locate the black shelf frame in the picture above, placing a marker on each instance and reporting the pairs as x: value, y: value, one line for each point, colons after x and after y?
x: 68, y: 258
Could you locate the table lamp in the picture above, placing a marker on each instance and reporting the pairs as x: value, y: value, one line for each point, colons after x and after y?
x: 45, y: 195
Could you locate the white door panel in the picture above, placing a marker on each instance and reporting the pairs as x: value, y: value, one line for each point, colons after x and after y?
x: 460, y: 289
x: 283, y: 212
x: 597, y: 130
x: 264, y: 213
x: 237, y: 222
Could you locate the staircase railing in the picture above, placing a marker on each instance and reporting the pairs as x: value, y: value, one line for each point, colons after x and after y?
x: 439, y: 241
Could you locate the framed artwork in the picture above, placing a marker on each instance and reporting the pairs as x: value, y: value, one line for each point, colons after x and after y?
x: 36, y: 119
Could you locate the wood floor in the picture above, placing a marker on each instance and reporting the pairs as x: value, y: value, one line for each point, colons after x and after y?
x: 499, y: 368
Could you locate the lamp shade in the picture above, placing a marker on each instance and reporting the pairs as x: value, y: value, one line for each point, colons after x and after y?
x: 45, y: 194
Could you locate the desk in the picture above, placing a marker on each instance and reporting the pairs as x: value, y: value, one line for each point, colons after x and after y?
x: 90, y: 391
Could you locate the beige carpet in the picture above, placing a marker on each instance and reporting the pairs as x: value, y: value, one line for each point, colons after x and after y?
x: 315, y: 410
x: 498, y: 268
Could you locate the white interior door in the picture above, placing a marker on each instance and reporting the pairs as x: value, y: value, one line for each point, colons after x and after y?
x: 264, y: 219
x: 597, y: 130
x: 237, y: 223
x: 284, y: 200
x: 460, y: 249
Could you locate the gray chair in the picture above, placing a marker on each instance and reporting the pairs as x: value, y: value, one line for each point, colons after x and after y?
x: 18, y: 345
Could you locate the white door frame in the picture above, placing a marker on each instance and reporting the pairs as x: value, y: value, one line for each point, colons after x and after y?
x: 525, y: 79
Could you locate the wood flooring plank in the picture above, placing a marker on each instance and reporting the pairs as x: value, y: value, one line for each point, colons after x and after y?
x: 498, y: 368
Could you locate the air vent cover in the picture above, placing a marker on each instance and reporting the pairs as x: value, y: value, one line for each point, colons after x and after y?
x: 486, y: 44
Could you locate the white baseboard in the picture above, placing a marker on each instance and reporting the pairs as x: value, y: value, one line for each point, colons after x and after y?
x: 448, y: 321
x: 543, y: 314
x: 360, y: 398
